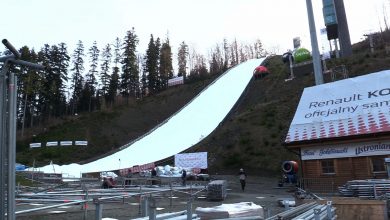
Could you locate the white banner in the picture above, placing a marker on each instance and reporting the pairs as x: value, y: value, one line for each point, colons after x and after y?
x: 344, y: 99
x: 66, y: 143
x: 176, y: 81
x: 81, y: 143
x: 34, y: 145
x: 191, y: 160
x: 346, y: 150
x: 352, y: 106
x: 51, y: 143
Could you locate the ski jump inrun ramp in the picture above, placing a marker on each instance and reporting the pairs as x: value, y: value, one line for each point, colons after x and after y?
x: 181, y: 131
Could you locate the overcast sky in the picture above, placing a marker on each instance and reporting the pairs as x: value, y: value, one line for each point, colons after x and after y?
x: 200, y: 23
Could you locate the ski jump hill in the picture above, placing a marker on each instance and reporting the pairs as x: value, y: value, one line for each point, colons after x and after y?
x: 184, y: 129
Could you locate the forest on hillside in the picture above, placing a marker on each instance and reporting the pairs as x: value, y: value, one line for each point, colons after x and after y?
x: 114, y: 72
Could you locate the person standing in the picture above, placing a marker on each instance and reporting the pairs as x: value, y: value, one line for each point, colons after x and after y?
x: 242, y: 176
x: 105, y: 183
x: 108, y: 183
x: 153, y: 173
x: 184, y: 177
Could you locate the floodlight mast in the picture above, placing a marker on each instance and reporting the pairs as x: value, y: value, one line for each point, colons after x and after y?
x: 8, y: 100
x: 319, y: 79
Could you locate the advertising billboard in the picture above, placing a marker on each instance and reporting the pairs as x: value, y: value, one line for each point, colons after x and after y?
x: 347, y: 107
x: 191, y: 160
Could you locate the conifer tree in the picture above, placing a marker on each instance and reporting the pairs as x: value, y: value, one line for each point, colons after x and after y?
x: 93, y: 70
x: 113, y: 87
x: 114, y: 79
x: 182, y: 55
x: 151, y: 65
x: 64, y: 64
x: 29, y: 85
x: 57, y: 78
x: 77, y: 77
x: 166, y: 69
x: 157, y: 64
x: 91, y: 82
x: 44, y: 96
x: 55, y: 98
x: 129, y: 78
x: 144, y: 78
x: 63, y: 68
x: 105, y: 69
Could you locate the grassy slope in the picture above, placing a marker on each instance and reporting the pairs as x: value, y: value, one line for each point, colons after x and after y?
x: 106, y: 130
x: 251, y: 136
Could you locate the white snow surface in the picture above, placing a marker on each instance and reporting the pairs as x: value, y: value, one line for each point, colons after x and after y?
x: 183, y: 130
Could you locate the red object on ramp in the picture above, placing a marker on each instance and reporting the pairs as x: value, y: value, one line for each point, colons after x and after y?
x: 260, y: 71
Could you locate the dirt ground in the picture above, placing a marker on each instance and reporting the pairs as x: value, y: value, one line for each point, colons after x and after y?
x: 262, y: 191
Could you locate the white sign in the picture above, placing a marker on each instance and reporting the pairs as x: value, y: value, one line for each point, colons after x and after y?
x: 191, y: 160
x: 344, y: 98
x: 176, y: 81
x: 66, y: 143
x: 51, y: 143
x: 346, y: 150
x: 81, y: 143
x: 34, y: 145
x: 352, y: 106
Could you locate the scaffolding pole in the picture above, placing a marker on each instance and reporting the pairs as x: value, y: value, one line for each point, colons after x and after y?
x: 8, y: 105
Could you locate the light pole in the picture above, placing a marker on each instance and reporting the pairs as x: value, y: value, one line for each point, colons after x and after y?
x: 314, y: 45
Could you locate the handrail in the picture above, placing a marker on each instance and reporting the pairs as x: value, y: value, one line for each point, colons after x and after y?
x: 52, y: 206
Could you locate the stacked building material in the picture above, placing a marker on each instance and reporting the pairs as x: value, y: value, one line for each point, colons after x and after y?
x: 235, y: 210
x: 217, y: 190
x: 371, y: 188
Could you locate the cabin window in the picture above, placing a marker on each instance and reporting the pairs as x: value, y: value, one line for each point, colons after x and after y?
x: 327, y: 166
x: 378, y: 164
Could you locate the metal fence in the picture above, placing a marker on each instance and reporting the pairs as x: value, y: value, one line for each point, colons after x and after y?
x: 326, y: 185
x: 68, y: 194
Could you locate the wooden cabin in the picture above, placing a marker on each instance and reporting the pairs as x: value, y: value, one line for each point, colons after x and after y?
x: 341, y: 131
